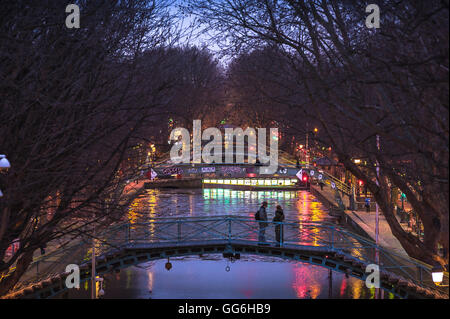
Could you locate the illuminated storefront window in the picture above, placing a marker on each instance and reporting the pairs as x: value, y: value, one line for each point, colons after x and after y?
x: 252, y: 182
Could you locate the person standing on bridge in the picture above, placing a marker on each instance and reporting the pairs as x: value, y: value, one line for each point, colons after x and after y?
x: 262, y: 221
x: 278, y: 219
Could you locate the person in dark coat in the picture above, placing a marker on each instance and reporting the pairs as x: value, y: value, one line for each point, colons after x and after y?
x: 262, y: 221
x: 278, y: 218
x: 42, y: 248
x: 321, y: 184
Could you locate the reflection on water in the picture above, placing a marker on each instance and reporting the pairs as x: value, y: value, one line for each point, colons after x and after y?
x: 206, y: 276
x: 299, y: 205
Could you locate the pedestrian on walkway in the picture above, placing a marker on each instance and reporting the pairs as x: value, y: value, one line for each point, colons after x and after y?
x: 278, y: 219
x: 367, y: 204
x: 42, y: 248
x: 261, y: 217
x: 321, y: 184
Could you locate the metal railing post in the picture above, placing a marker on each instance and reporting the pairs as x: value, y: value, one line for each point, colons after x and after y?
x: 128, y: 235
x: 229, y: 229
x: 332, y: 237
x: 420, y: 275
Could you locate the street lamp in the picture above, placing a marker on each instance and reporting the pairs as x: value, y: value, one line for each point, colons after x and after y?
x: 437, y: 273
x: 168, y: 265
x: 4, y: 163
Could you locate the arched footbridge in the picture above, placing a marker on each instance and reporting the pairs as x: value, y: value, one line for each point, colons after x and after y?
x: 317, y: 243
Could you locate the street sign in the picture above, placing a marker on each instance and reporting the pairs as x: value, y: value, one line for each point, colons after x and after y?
x: 299, y: 174
x: 208, y: 169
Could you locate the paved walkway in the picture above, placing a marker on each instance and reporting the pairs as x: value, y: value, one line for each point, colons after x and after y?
x: 367, y: 222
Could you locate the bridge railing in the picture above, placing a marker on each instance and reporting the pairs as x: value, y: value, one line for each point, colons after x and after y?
x: 295, y: 234
x: 304, y: 235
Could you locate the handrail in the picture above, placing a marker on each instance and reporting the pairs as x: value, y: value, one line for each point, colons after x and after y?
x: 180, y: 229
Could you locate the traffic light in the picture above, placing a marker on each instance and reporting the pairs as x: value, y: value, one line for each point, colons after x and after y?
x: 360, y: 183
x: 305, y: 177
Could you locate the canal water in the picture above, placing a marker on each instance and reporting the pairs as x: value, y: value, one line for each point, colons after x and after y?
x: 212, y: 276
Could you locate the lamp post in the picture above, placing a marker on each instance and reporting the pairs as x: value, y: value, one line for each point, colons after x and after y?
x: 377, y: 219
x: 307, y: 146
x: 93, y: 269
x: 307, y: 142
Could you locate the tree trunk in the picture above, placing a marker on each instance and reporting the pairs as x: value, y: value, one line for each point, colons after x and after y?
x: 9, y: 282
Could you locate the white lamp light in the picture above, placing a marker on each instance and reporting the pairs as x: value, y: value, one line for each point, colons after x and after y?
x: 437, y: 274
x: 4, y: 163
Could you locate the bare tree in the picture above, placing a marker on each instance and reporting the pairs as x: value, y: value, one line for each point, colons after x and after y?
x: 359, y: 83
x: 69, y: 112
